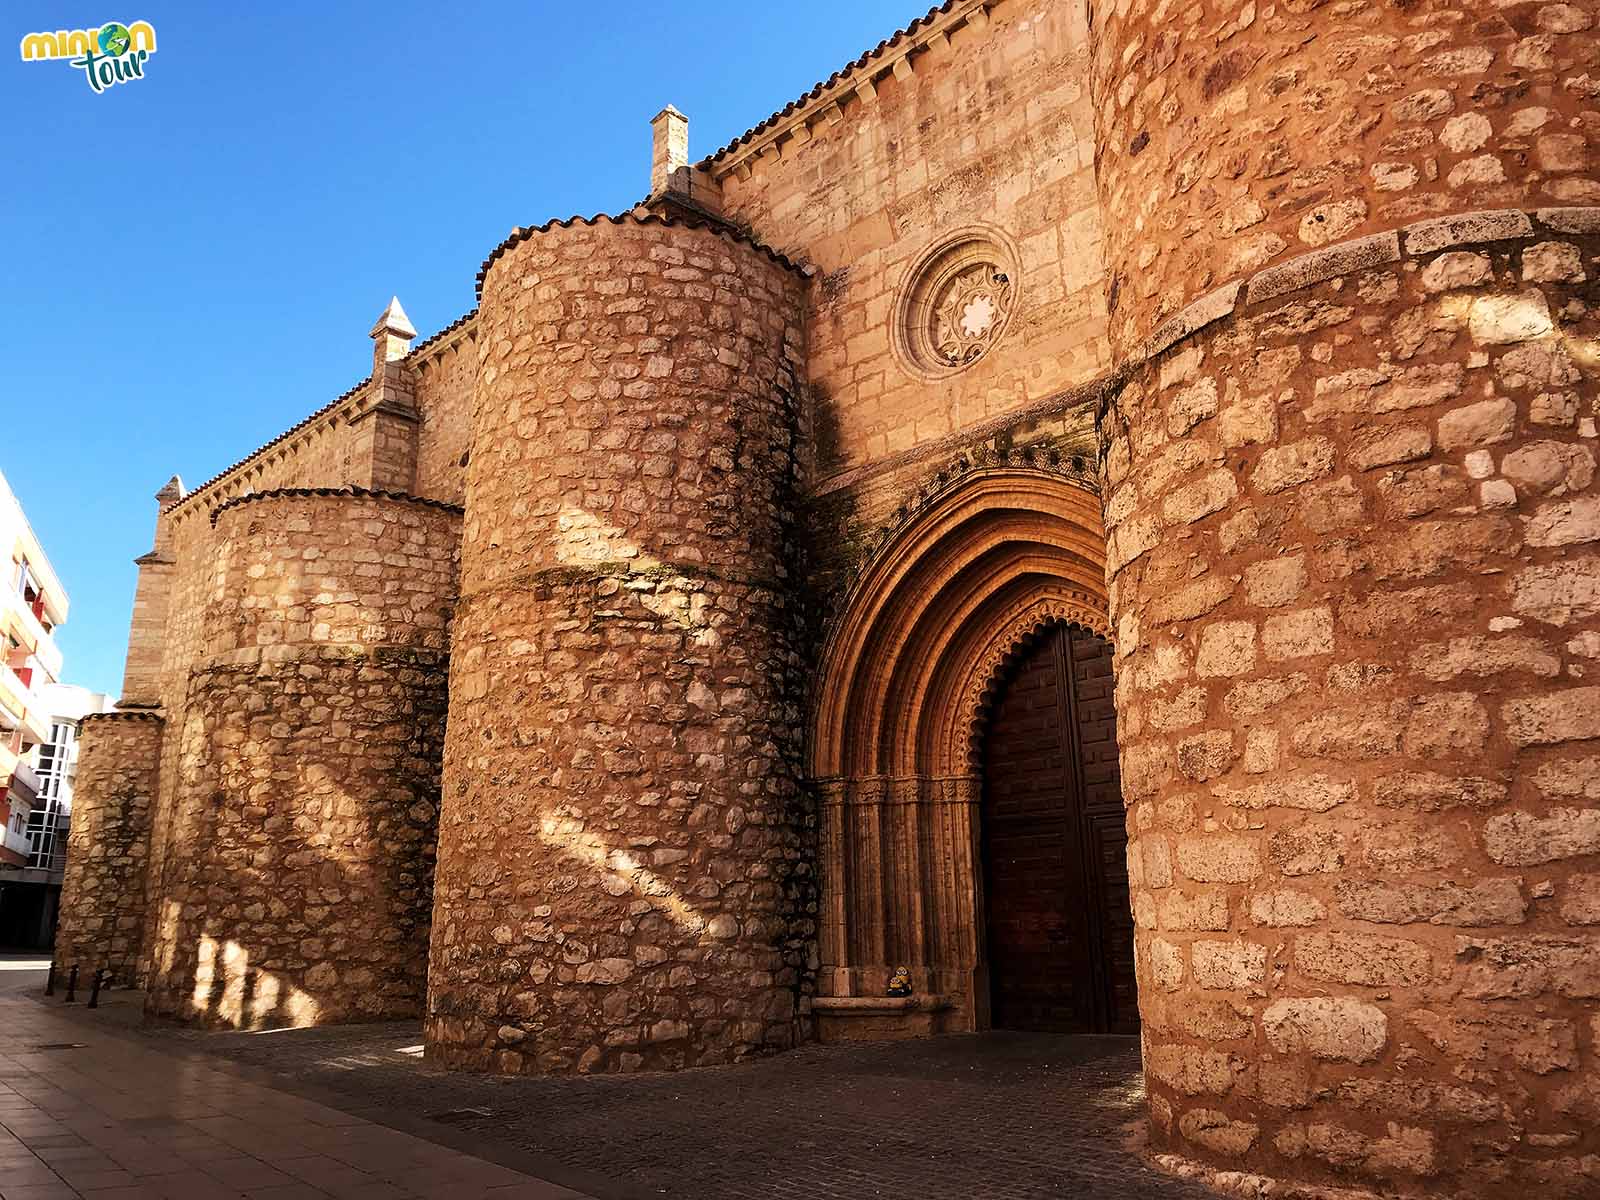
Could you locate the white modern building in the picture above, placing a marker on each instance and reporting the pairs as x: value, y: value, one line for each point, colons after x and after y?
x: 35, y: 754
x: 30, y: 895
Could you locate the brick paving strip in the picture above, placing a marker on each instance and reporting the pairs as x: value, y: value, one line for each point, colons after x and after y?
x: 988, y: 1117
x: 88, y: 1112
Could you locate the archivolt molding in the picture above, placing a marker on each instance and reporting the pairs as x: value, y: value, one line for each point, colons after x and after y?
x: 884, y: 791
x: 1081, y: 469
x: 973, y: 570
x: 992, y: 555
x: 1071, y: 608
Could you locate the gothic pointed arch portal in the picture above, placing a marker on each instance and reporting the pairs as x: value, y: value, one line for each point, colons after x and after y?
x: 908, y: 677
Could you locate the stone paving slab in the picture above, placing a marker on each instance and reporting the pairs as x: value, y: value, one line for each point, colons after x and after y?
x: 990, y: 1117
x: 88, y: 1113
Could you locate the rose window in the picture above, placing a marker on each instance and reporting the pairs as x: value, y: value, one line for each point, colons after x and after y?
x: 955, y: 304
x: 971, y: 314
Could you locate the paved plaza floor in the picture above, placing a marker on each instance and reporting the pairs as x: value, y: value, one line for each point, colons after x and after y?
x: 328, y: 1112
x: 88, y: 1111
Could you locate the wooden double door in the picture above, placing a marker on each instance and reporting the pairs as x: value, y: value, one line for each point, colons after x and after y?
x: 1059, y: 928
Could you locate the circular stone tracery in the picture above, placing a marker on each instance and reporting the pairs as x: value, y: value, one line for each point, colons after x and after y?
x: 955, y: 302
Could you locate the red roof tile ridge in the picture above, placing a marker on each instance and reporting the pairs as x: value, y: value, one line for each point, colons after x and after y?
x: 348, y: 394
x: 422, y: 347
x: 722, y: 229
x: 265, y: 446
x: 349, y: 490
x: 838, y: 77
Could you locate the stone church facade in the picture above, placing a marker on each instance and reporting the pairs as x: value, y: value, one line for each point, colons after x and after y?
x: 1093, y: 504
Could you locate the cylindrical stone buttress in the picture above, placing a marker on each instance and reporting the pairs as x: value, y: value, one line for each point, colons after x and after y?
x: 299, y: 884
x: 103, y: 887
x: 1354, y: 562
x: 624, y: 869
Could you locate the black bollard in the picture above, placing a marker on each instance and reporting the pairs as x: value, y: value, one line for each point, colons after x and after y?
x: 94, y: 988
x: 72, y: 985
x: 50, y: 980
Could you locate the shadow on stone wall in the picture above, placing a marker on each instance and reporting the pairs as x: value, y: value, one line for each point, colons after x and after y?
x: 309, y: 824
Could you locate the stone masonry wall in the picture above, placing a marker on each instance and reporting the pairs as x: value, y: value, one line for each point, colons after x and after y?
x: 624, y: 856
x: 1359, y: 616
x: 1232, y: 136
x: 384, y: 439
x: 141, y: 672
x: 993, y: 129
x: 319, y: 456
x: 338, y: 447
x: 1352, y: 515
x: 298, y: 881
x: 192, y: 543
x: 446, y: 380
x: 102, y: 896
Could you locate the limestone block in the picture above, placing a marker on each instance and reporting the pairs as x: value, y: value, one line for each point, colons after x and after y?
x: 1552, y: 262
x: 1286, y: 907
x: 1480, y: 424
x: 1219, y: 859
x: 1191, y: 1070
x: 1335, y: 1029
x: 1228, y: 964
x: 1500, y: 320
x: 1216, y: 1132
x: 1457, y: 269
x: 1362, y: 959
x: 1523, y: 839
x: 1567, y: 715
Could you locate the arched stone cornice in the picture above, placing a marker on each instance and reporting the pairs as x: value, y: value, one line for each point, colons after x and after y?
x: 954, y: 473
x: 934, y: 612
x: 960, y: 741
x: 925, y: 731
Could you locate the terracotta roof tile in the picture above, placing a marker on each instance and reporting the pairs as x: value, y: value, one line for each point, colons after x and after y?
x: 837, y: 77
x: 264, y: 447
x: 321, y: 412
x: 355, y: 493
x: 423, y: 346
x: 721, y: 229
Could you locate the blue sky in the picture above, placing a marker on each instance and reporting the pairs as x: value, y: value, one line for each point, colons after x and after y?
x: 192, y: 260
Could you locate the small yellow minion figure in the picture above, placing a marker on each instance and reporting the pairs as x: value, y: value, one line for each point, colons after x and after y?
x: 900, y: 982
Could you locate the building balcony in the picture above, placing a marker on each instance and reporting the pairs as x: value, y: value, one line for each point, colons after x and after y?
x: 19, y: 708
x: 14, y: 698
x: 25, y: 780
x: 30, y: 631
x: 15, y: 847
